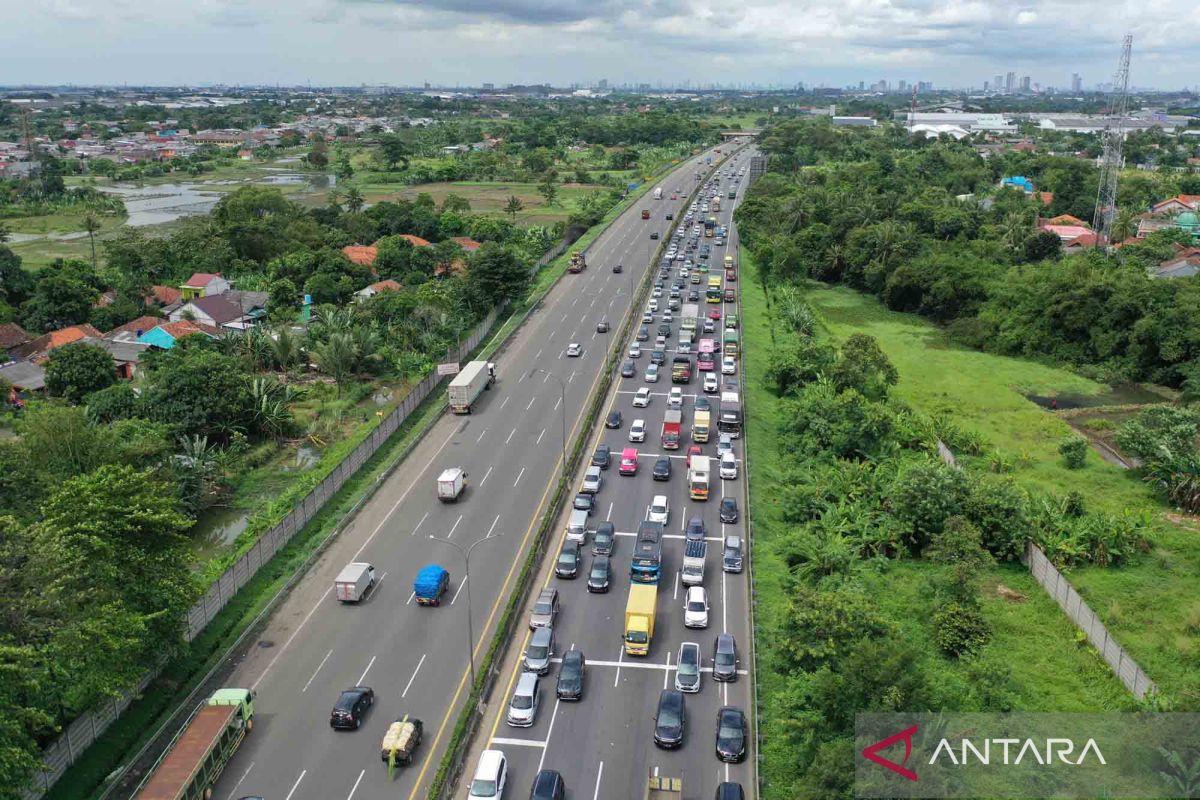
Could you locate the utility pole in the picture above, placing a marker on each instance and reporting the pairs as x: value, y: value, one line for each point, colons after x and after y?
x: 466, y: 554
x: 1113, y: 138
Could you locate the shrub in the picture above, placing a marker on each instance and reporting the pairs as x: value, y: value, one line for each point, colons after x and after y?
x: 1073, y: 450
x: 925, y: 495
x: 960, y: 629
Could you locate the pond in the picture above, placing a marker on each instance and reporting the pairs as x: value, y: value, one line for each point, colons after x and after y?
x: 1123, y: 394
x: 215, y: 529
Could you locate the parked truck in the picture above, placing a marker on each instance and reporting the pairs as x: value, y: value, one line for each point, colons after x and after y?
x: 694, y: 553
x: 639, y: 618
x: 646, y: 564
x: 199, y: 753
x: 354, y: 581
x: 658, y: 193
x: 468, y: 384
x: 660, y: 787
x: 672, y: 428
x: 450, y: 484
x: 701, y: 423
x: 698, y: 477
x: 577, y: 263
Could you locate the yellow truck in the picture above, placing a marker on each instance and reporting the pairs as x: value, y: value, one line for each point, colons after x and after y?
x: 663, y: 788
x: 701, y: 422
x: 639, y: 618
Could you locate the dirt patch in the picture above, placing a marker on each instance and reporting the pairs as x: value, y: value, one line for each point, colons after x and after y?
x: 1186, y: 520
x: 1011, y: 595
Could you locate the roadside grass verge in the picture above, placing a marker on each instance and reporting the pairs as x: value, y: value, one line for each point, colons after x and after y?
x: 1048, y: 669
x: 1150, y: 604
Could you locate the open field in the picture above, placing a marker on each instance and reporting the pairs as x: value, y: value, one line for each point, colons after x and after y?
x: 485, y: 197
x: 1151, y: 604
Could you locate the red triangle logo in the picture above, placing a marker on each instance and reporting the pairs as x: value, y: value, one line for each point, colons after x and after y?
x: 872, y: 753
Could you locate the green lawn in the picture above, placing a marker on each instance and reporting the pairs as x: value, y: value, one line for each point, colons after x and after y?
x: 1150, y: 605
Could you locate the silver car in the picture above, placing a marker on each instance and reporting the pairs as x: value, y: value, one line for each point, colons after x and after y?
x: 591, y: 481
x: 540, y: 651
x: 545, y: 609
x: 522, y: 708
x: 687, y: 671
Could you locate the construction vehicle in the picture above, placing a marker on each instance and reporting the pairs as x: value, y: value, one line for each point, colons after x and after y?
x: 578, y: 263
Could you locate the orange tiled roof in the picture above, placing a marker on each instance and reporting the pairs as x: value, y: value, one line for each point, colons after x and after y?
x: 199, y: 279
x: 363, y: 254
x: 387, y: 285
x: 47, y: 342
x: 142, y: 324
x: 415, y: 241
x: 165, y: 295
x: 466, y: 242
x: 1065, y: 219
x: 186, y: 327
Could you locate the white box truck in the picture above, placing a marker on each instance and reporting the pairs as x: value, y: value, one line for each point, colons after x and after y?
x: 450, y: 484
x: 658, y: 193
x: 468, y: 384
x: 354, y: 581
x: 694, y: 553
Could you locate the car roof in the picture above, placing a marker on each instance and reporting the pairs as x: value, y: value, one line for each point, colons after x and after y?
x: 526, y: 682
x: 489, y: 762
x: 697, y: 590
x: 690, y: 647
x: 725, y: 639
x: 605, y: 526
x: 542, y: 635
x: 573, y: 654
x: 660, y: 498
x: 550, y: 592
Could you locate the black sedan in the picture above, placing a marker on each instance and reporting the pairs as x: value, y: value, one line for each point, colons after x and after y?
x: 604, y: 539
x: 670, y: 719
x: 567, y: 565
x: 703, y: 403
x: 725, y: 658
x: 729, y: 510
x: 658, y: 357
x: 695, y: 530
x: 731, y: 734
x: 617, y: 268
x: 613, y: 420
x: 570, y: 676
x: 351, y: 708
x: 584, y: 502
x: 602, y: 456
x: 600, y: 575
x: 654, y: 234
x: 628, y: 368
x: 662, y: 469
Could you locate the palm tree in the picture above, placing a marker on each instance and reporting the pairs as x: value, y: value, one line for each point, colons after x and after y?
x: 286, y: 349
x: 336, y: 357
x: 5, y: 233
x: 1124, y: 224
x: 1015, y: 229
x: 91, y: 224
x: 354, y: 200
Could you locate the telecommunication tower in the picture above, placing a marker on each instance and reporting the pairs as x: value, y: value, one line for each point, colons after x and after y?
x: 1110, y: 162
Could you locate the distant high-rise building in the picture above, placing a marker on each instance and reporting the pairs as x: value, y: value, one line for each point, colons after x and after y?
x: 643, y: 87
x: 1025, y: 81
x: 862, y: 85
x: 602, y: 83
x: 998, y: 83
x: 924, y: 86
x: 487, y: 87
x: 902, y: 86
x: 1076, y: 82
x: 1010, y: 81
x: 987, y: 85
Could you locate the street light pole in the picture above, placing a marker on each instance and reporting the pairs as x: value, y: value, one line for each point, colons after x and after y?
x: 466, y: 554
x: 563, y: 404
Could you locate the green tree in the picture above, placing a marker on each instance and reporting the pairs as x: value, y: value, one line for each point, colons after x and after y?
x: 318, y: 156
x: 513, y: 206
x: 59, y: 299
x: 1042, y: 245
x: 393, y: 256
x: 91, y: 224
x: 495, y: 273
x: 344, y: 170
x: 862, y: 365
x: 1073, y: 449
x: 22, y: 487
x: 395, y: 151
x: 354, y: 200
x: 455, y: 203
x: 283, y: 302
x: 77, y: 369
x: 117, y: 402
x: 924, y: 495
x: 797, y: 361
x: 199, y: 392
x: 548, y: 187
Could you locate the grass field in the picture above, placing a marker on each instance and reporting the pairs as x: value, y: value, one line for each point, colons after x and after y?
x: 1151, y: 605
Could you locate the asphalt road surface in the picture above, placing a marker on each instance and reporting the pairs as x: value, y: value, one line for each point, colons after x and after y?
x: 603, y: 746
x: 415, y: 657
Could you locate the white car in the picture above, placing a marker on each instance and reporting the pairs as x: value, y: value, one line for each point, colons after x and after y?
x: 652, y: 373
x: 668, y: 317
x: 728, y: 365
x: 652, y: 306
x: 729, y: 467
x: 660, y: 509
x: 641, y: 398
x: 724, y: 445
x: 637, y: 431
x: 695, y: 608
x: 711, y: 384
x: 635, y: 350
x: 675, y: 398
x: 657, y: 292
x: 574, y: 350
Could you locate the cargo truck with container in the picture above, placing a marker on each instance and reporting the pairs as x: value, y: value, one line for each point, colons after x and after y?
x: 689, y: 317
x: 450, y: 484
x: 698, y: 477
x: 681, y: 369
x: 701, y: 422
x: 730, y: 419
x: 672, y: 429
x: 658, y: 193
x: 354, y: 581
x: 199, y: 753
x: 694, y: 554
x: 645, y: 213
x: 646, y: 564
x: 639, y: 618
x: 468, y: 384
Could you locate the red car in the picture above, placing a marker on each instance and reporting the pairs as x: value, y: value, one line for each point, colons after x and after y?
x: 714, y: 314
x: 730, y: 297
x: 730, y: 275
x: 694, y: 450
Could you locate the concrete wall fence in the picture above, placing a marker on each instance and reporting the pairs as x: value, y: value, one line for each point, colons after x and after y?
x: 68, y: 747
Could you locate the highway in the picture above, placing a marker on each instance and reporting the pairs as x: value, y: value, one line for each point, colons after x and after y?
x: 414, y: 657
x: 603, y: 745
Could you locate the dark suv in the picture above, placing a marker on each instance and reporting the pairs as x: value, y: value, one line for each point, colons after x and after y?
x: 351, y: 707
x: 670, y: 720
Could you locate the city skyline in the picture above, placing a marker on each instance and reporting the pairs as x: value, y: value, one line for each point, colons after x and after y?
x: 403, y: 42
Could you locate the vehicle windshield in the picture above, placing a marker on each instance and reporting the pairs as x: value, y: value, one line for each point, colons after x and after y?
x: 667, y: 718
x: 483, y: 788
x: 724, y: 659
x: 728, y: 729
x: 542, y: 607
x: 636, y: 637
x: 696, y: 605
x: 522, y: 702
x: 567, y: 559
x: 537, y: 651
x: 657, y: 509
x: 599, y: 573
x: 687, y: 668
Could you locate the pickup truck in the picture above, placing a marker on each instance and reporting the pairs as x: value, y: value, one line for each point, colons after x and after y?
x: 431, y: 583
x: 645, y: 213
x: 694, y: 554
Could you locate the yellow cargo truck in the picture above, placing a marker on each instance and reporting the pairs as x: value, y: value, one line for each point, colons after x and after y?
x: 639, y: 618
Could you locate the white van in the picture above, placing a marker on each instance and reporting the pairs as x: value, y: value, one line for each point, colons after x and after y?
x: 577, y: 526
x: 729, y: 467
x: 490, y: 776
x: 522, y: 708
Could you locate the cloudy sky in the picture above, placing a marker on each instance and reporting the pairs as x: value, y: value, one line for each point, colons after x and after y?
x: 448, y: 42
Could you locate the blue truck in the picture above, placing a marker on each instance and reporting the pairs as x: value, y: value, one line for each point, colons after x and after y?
x: 646, y: 565
x: 431, y: 583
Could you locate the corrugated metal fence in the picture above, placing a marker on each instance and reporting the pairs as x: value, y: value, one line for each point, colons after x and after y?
x: 88, y: 727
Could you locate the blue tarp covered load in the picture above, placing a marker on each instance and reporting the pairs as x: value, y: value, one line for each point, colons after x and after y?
x: 429, y: 580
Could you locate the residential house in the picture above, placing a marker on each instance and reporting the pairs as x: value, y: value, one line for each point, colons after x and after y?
x: 125, y: 354
x: 415, y: 241
x: 132, y: 331
x: 163, y: 296
x: 466, y: 243
x: 376, y: 288
x: 204, y: 284
x: 12, y: 336
x: 361, y: 254
x: 1176, y: 205
x: 1184, y: 265
x: 25, y: 378
x: 1072, y: 231
x: 165, y: 336
x: 216, y: 311
x: 39, y: 348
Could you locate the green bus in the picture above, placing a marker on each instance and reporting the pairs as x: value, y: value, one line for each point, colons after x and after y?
x: 199, y: 753
x: 729, y: 342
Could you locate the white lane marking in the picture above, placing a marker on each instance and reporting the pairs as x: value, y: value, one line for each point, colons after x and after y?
x: 411, y: 595
x: 538, y: 354
x: 675, y: 594
x: 570, y: 379
x: 303, y: 772
x: 495, y: 522
x: 540, y: 435
x: 419, y: 524
x: 547, y: 378
x: 561, y: 353
x: 576, y: 300
x: 233, y: 791
x: 295, y: 633
x: 617, y: 677
x: 363, y: 677
x: 608, y: 516
x: 500, y: 740
x: 408, y: 685
x: 724, y: 605
x: 667, y: 670
x: 532, y: 400
x: 599, y: 773
x: 725, y: 692
x: 318, y: 669
x: 549, y: 733
x: 558, y: 402
x: 485, y: 477
x: 502, y: 405
x: 457, y: 591
x: 356, y: 783
x: 564, y: 319
x: 518, y: 480
x: 452, y: 530
x: 481, y: 435
x: 510, y: 435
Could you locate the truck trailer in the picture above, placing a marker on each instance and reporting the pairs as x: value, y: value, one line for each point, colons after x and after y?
x: 658, y: 193
x: 354, y: 581
x: 468, y: 384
